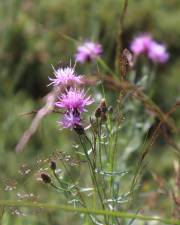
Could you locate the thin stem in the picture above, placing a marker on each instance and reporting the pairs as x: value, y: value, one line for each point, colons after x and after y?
x: 99, y: 137
x: 77, y: 189
x: 111, y: 157
x: 58, y: 188
x: 61, y: 183
x: 93, y: 175
x: 93, y: 151
x: 122, y: 215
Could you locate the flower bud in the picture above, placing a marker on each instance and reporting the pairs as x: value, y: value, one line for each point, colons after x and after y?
x: 53, y: 165
x: 46, y: 178
x: 98, y: 112
x: 79, y: 129
x: 103, y: 105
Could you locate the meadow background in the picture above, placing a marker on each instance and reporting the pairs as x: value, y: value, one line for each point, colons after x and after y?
x: 31, y: 40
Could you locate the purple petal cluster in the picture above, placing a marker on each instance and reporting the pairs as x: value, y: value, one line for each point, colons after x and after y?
x: 141, y: 44
x: 88, y: 51
x: 72, y: 99
x: 145, y: 44
x: 65, y: 77
x: 158, y: 53
x: 70, y: 120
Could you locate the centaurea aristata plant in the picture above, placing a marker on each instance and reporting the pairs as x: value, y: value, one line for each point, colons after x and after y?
x: 107, y: 137
x: 103, y: 135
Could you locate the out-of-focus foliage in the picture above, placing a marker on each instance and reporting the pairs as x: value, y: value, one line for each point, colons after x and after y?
x: 32, y: 39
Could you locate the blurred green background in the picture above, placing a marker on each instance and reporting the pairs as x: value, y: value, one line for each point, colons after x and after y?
x: 31, y: 40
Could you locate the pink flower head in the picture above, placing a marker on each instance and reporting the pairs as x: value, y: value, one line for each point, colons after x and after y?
x: 88, y: 51
x: 158, y: 53
x: 141, y: 44
x: 74, y: 100
x: 65, y: 77
x: 70, y: 120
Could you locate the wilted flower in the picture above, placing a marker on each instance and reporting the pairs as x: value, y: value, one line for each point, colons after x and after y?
x: 141, y: 44
x: 70, y: 120
x: 74, y: 100
x: 158, y: 53
x: 65, y: 77
x: 88, y: 51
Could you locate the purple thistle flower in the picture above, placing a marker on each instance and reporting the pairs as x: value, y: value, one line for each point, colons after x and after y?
x: 145, y: 44
x: 70, y: 120
x: 74, y: 100
x: 88, y: 51
x: 141, y: 44
x: 158, y: 53
x: 65, y: 77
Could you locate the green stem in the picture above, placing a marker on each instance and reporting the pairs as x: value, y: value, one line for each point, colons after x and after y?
x: 111, y: 155
x: 122, y: 215
x: 61, y: 183
x: 83, y: 203
x: 99, y: 137
x: 93, y: 151
x: 58, y: 188
x: 93, y: 175
x: 92, y: 170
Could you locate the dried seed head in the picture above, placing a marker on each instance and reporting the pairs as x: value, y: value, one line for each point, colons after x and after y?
x: 46, y: 178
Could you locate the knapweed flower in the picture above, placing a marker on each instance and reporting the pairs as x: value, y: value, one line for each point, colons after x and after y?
x: 141, y: 44
x: 88, y: 51
x: 74, y: 99
x: 70, y: 120
x: 145, y: 44
x: 65, y: 77
x: 158, y: 53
